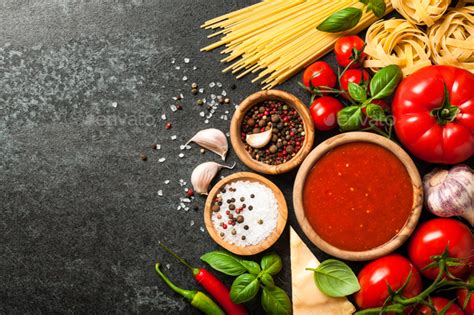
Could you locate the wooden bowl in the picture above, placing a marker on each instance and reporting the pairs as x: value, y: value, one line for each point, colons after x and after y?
x: 239, y: 146
x: 320, y: 151
x: 271, y: 239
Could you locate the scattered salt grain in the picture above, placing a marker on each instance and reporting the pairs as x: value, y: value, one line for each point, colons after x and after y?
x: 202, y: 114
x: 182, y: 183
x: 188, y: 147
x: 201, y: 229
x: 195, y: 68
x: 167, y: 182
x: 173, y: 60
x: 224, y: 93
x: 168, y: 266
x: 201, y: 90
x: 181, y: 155
x: 163, y: 117
x: 177, y: 67
x: 212, y: 84
x: 206, y: 121
x: 213, y: 96
x: 173, y: 137
x: 160, y: 192
x: 191, y: 223
x: 173, y: 108
x: 161, y: 160
x: 186, y: 60
x: 158, y: 146
x: 114, y: 104
x: 219, y: 84
x: 185, y: 78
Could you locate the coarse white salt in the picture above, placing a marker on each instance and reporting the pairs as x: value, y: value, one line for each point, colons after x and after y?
x: 261, y: 220
x: 167, y: 182
x: 181, y: 155
x: 114, y: 104
x: 158, y: 147
x: 160, y: 192
x: 206, y: 121
x: 191, y: 223
x: 173, y: 108
x: 201, y: 90
x: 202, y: 114
x: 161, y: 160
x: 186, y: 60
x: 173, y: 137
x: 173, y: 60
x: 212, y: 84
x: 182, y: 147
x: 185, y: 78
x: 177, y: 67
x: 163, y: 117
x: 195, y: 68
x: 188, y: 147
x: 224, y: 93
x: 219, y: 84
x: 201, y: 229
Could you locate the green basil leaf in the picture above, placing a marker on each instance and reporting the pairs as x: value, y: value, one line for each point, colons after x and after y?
x: 271, y: 264
x: 267, y: 280
x: 341, y: 20
x: 244, y: 288
x: 275, y: 301
x: 335, y: 278
x: 378, y: 7
x: 375, y: 112
x: 357, y: 92
x: 225, y: 263
x: 364, y: 1
x: 385, y: 81
x: 251, y: 266
x: 349, y: 118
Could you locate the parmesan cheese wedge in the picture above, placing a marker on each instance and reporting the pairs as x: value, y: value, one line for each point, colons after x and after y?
x: 307, y: 298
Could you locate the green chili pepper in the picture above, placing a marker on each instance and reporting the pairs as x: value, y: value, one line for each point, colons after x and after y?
x: 198, y: 299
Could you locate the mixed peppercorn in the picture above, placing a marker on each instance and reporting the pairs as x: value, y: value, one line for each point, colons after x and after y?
x: 287, y: 128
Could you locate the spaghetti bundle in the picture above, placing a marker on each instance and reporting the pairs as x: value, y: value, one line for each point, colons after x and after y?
x: 278, y: 38
x: 398, y: 42
x: 452, y: 39
x: 421, y: 12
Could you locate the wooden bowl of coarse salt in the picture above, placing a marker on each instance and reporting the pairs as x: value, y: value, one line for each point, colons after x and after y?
x: 245, y: 213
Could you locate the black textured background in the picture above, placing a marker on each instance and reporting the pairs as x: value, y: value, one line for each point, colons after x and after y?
x: 83, y: 85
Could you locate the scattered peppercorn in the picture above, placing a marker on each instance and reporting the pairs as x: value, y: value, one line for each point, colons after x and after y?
x: 200, y: 102
x: 227, y: 100
x: 194, y: 85
x: 190, y: 192
x: 260, y: 221
x: 233, y: 87
x: 215, y: 208
x: 194, y: 91
x: 195, y: 206
x: 240, y: 219
x: 143, y: 157
x: 168, y: 125
x: 246, y: 227
x: 243, y: 237
x: 179, y: 107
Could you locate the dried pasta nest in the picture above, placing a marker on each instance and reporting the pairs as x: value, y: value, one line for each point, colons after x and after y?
x: 398, y: 42
x: 452, y: 39
x: 421, y: 12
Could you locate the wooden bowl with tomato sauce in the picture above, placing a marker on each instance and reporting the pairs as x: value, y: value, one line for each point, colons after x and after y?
x: 239, y: 145
x: 358, y: 196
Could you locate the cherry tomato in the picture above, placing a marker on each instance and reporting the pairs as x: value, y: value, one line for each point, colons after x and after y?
x: 319, y: 74
x: 432, y: 238
x: 354, y: 76
x: 462, y: 294
x: 324, y: 112
x: 439, y: 304
x: 392, y: 270
x: 343, y: 49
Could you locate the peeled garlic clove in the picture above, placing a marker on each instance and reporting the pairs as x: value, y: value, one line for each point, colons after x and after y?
x: 450, y: 192
x: 212, y: 139
x: 203, y: 174
x: 259, y: 140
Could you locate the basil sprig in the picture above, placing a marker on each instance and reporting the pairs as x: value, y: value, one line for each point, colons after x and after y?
x: 347, y: 18
x: 335, y: 278
x: 250, y: 278
x: 385, y: 81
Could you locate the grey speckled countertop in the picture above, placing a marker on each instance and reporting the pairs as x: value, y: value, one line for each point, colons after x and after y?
x: 83, y: 87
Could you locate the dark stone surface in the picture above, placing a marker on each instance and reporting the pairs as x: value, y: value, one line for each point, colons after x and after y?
x: 83, y: 85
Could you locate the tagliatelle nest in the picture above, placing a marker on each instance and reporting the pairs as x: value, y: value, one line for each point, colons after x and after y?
x: 398, y: 42
x: 452, y: 39
x: 421, y: 12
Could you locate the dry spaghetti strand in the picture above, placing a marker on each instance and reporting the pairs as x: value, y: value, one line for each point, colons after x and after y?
x: 278, y: 38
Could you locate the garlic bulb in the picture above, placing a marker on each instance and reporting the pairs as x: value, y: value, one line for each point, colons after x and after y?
x: 259, y: 140
x: 203, y: 174
x: 212, y: 139
x: 450, y: 193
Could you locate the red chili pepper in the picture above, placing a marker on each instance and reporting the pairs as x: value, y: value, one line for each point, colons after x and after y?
x: 214, y: 286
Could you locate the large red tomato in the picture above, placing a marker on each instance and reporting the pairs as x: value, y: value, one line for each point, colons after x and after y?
x: 434, y: 114
x: 392, y: 270
x: 431, y: 239
x: 440, y: 304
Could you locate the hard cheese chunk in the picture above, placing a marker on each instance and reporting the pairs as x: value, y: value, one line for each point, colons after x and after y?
x: 307, y: 298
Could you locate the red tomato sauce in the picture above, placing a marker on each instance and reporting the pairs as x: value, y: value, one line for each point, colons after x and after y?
x: 358, y: 196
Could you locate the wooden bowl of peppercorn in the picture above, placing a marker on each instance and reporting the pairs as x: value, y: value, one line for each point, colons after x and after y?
x: 292, y: 128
